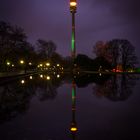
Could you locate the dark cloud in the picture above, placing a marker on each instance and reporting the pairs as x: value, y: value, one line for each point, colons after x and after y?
x: 128, y: 9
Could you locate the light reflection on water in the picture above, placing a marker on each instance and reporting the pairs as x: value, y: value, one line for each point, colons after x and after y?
x: 63, y: 107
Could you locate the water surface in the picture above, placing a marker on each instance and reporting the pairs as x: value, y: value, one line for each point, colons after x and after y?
x: 46, y: 107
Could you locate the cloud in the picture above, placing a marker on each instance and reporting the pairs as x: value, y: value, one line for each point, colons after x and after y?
x: 127, y: 9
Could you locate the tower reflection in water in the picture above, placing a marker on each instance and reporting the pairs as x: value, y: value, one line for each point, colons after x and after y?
x: 73, y: 127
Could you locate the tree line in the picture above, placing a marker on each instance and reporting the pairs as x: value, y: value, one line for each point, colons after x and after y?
x: 114, y: 54
x: 14, y: 46
x: 117, y: 55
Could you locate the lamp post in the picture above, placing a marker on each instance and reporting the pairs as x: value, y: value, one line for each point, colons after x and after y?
x: 22, y: 62
x: 73, y: 7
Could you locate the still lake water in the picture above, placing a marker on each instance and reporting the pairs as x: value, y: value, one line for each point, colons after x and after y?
x: 43, y: 107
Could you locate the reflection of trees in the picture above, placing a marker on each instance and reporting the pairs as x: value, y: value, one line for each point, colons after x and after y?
x: 86, y: 79
x: 14, y: 99
x: 47, y: 89
x: 117, y: 88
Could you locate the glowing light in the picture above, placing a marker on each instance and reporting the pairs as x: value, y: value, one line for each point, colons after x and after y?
x: 31, y: 77
x: 73, y: 42
x: 58, y: 76
x: 100, y: 74
x: 30, y: 63
x: 58, y: 65
x: 22, y: 81
x: 41, y: 76
x: 73, y: 4
x: 21, y: 62
x: 73, y: 92
x: 73, y: 129
x: 8, y: 63
x: 48, y: 78
x: 13, y: 65
x: 40, y: 65
x: 47, y: 64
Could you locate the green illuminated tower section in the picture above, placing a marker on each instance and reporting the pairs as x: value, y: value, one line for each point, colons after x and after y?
x: 73, y: 7
x: 73, y: 47
x: 73, y: 127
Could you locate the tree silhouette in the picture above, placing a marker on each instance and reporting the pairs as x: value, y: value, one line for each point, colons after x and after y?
x: 100, y: 50
x: 123, y: 52
x: 129, y: 59
x: 117, y: 88
x: 119, y: 52
x: 14, y: 100
x: 45, y: 48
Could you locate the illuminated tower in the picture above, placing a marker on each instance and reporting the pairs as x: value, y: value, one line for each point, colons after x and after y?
x: 73, y: 7
x: 73, y: 127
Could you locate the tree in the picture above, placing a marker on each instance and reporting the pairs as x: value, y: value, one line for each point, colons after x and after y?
x: 84, y: 62
x: 14, y: 45
x: 113, y: 51
x: 5, y: 31
x: 123, y: 53
x: 56, y: 58
x: 100, y: 50
x: 45, y: 48
x: 119, y: 52
x: 101, y: 62
x: 129, y: 58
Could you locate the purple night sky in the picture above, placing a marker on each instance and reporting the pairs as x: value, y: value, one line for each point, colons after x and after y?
x: 95, y: 20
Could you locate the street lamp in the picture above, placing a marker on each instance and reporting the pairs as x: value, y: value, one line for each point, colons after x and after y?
x: 48, y: 64
x: 41, y: 65
x: 30, y: 63
x: 22, y: 81
x: 48, y: 78
x: 8, y: 63
x: 21, y: 61
x: 73, y: 7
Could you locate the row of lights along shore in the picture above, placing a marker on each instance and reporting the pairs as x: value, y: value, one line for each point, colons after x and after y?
x: 47, y: 77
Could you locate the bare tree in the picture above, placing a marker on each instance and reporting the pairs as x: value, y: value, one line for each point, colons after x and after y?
x: 45, y: 48
x: 117, y: 52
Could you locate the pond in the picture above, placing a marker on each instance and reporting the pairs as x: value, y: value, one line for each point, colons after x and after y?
x: 70, y: 107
